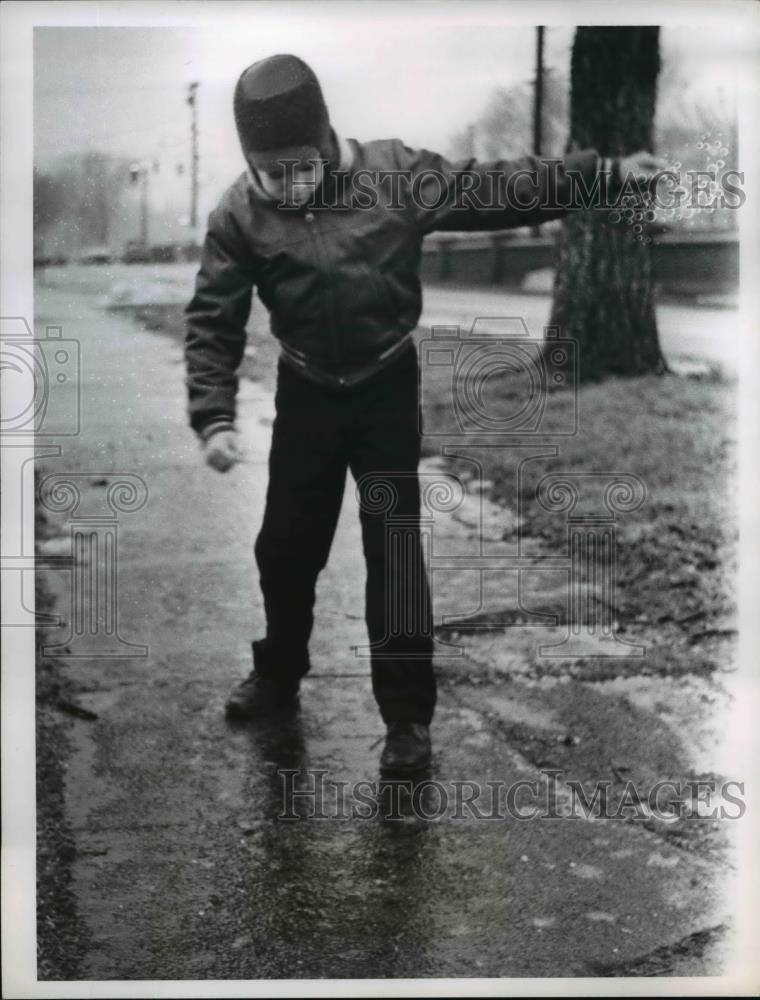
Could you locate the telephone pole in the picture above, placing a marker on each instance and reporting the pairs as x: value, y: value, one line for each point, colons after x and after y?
x: 138, y: 174
x: 538, y: 96
x: 144, y: 206
x: 538, y: 101
x: 191, y: 100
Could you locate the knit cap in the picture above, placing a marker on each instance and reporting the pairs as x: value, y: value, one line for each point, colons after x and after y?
x: 279, y: 106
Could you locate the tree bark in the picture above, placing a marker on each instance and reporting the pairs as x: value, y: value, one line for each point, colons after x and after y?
x: 603, y: 288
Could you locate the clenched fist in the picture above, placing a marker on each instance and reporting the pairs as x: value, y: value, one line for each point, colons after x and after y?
x: 221, y: 451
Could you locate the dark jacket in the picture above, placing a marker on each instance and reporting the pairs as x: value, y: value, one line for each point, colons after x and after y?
x: 340, y: 278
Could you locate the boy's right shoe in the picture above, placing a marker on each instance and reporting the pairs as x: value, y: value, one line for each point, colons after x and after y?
x: 258, y: 697
x: 407, y: 748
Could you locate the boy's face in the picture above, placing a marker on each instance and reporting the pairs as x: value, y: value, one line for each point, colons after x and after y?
x: 288, y: 178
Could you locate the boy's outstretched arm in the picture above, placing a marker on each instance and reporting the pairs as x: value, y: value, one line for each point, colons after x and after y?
x: 216, y: 318
x: 469, y: 195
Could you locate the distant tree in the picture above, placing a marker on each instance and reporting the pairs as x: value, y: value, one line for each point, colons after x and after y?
x: 101, y: 179
x: 691, y: 121
x: 77, y: 199
x: 685, y: 114
x: 48, y: 201
x: 603, y: 290
x: 505, y: 126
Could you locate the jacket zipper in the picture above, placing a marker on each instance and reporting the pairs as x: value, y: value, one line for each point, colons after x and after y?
x: 318, y: 240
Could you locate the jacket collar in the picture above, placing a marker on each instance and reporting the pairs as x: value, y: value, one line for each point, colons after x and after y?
x: 346, y: 159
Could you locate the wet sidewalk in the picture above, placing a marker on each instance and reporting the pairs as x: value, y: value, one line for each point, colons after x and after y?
x: 196, y: 855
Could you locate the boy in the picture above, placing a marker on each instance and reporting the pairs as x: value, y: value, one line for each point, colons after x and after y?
x: 329, y: 231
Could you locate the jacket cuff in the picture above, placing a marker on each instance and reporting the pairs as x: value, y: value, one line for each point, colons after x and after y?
x: 214, y: 427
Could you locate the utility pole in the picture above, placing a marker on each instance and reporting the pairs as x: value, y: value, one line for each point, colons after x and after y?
x: 139, y: 172
x: 144, y: 206
x: 538, y: 97
x: 191, y: 100
x: 538, y: 101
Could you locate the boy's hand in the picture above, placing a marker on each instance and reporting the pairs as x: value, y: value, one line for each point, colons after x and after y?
x: 221, y: 451
x: 641, y: 167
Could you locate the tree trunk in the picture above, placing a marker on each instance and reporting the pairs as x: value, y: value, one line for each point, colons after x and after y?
x: 603, y: 294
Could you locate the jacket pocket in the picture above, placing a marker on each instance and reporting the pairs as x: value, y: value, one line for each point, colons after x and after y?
x: 382, y: 292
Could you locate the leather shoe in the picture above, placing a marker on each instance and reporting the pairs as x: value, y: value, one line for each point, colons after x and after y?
x: 259, y: 696
x: 407, y: 748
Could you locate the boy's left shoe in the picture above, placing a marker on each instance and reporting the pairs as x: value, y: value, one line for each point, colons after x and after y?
x: 407, y: 748
x: 259, y: 697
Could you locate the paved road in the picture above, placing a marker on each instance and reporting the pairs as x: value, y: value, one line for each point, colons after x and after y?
x: 699, y: 332
x: 184, y: 867
x: 686, y: 331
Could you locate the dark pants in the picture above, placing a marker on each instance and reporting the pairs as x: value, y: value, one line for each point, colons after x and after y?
x: 373, y: 430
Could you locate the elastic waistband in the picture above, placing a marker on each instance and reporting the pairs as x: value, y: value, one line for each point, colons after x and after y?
x: 299, y: 362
